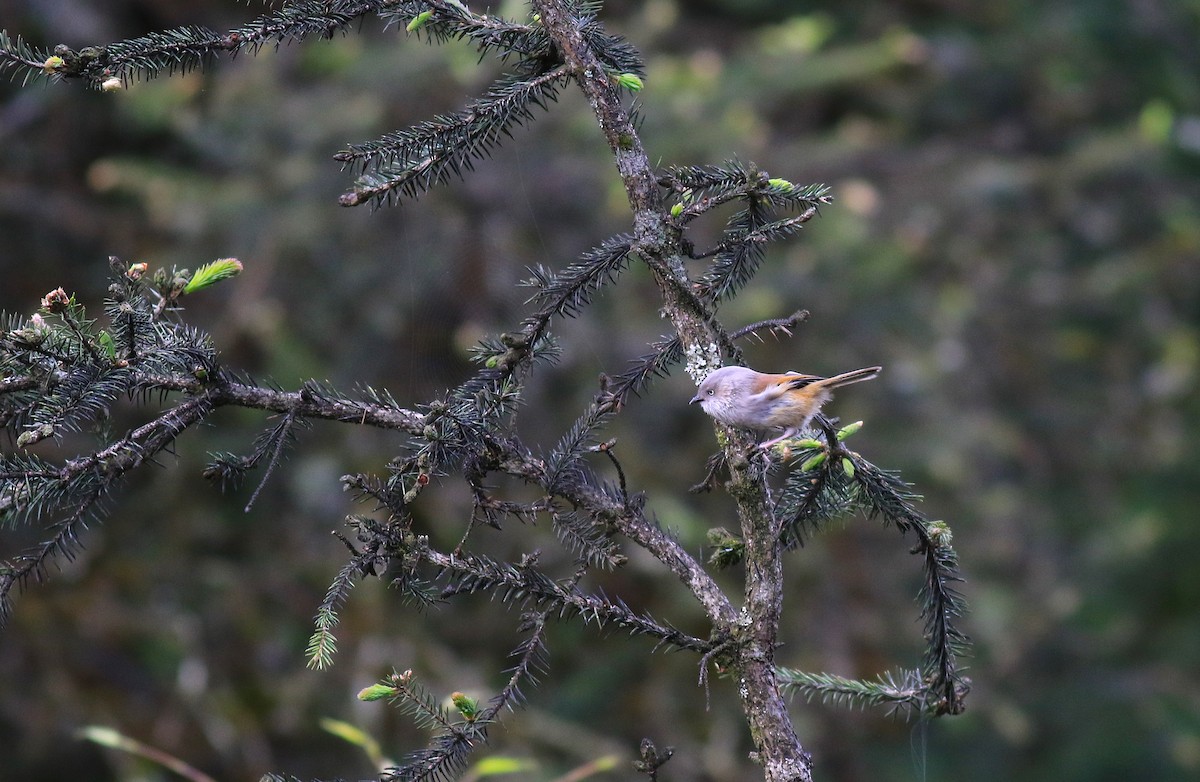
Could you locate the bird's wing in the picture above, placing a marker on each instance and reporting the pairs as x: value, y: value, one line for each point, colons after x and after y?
x: 788, y: 382
x: 797, y: 380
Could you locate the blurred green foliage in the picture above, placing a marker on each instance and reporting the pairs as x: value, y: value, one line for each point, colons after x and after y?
x: 1016, y: 238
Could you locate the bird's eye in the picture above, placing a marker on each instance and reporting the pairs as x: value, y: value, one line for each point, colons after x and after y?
x: 711, y: 392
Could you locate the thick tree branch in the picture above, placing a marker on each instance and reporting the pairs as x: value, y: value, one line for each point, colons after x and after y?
x: 633, y: 524
x: 704, y: 342
x: 657, y: 240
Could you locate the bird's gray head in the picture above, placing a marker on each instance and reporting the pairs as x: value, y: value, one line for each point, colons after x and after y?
x: 722, y: 393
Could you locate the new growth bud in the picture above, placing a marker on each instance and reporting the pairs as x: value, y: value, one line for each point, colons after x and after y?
x: 814, y: 461
x: 211, y: 273
x: 376, y: 692
x: 419, y: 20
x: 466, y: 705
x: 631, y: 82
x: 848, y: 430
x: 56, y: 301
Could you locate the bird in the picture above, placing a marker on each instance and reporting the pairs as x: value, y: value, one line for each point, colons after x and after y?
x: 764, y: 402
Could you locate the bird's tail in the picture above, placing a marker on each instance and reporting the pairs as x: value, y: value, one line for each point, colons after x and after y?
x: 846, y: 378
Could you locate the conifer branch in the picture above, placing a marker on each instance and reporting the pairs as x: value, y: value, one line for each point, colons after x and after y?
x: 775, y: 326
x: 441, y: 21
x: 741, y: 253
x: 447, y: 753
x: 811, y: 498
x: 271, y: 449
x: 562, y: 293
x: 322, y: 644
x: 184, y: 49
x: 700, y: 189
x: 75, y: 492
x: 524, y: 585
x: 19, y: 57
x: 413, y: 161
x: 568, y: 291
x: 590, y: 541
x: 888, y: 497
x: 903, y: 691
x: 530, y: 657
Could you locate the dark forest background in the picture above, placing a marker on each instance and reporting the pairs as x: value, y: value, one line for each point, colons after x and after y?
x: 1015, y: 238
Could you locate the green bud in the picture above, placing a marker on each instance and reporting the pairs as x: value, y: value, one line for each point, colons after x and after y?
x: 780, y: 184
x: 631, y: 82
x: 814, y: 461
x: 466, y: 705
x: 676, y: 210
x: 419, y: 20
x: 939, y: 533
x: 848, y: 430
x: 376, y: 692
x: 848, y: 467
x: 52, y: 64
x: 107, y: 344
x: 806, y: 442
x: 492, y: 362
x: 211, y: 273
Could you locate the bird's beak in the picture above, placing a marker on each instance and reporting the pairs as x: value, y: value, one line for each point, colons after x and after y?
x: 695, y: 399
